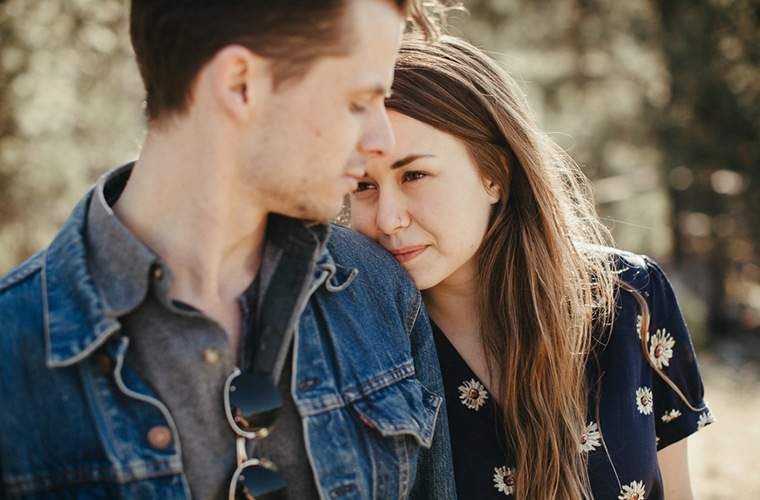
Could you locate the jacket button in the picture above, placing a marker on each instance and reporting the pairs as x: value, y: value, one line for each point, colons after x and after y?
x: 105, y: 363
x: 308, y: 383
x: 160, y: 437
x: 158, y: 273
x: 211, y: 356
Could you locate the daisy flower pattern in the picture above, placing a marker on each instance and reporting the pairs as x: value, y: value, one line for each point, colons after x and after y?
x: 661, y: 348
x: 705, y: 419
x: 633, y: 491
x: 671, y: 415
x: 591, y: 438
x: 472, y: 394
x: 504, y: 479
x: 644, y: 400
x: 638, y: 326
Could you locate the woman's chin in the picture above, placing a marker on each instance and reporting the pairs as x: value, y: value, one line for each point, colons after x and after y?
x: 421, y: 281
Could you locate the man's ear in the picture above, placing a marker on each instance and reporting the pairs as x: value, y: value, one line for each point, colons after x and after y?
x: 239, y: 80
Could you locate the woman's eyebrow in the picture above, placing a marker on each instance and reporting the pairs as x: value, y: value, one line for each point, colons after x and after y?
x: 407, y: 160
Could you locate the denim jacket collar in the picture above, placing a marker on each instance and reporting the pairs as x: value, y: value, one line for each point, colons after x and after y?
x: 77, y: 319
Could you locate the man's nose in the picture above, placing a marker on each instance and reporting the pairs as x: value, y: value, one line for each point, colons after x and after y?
x: 377, y: 139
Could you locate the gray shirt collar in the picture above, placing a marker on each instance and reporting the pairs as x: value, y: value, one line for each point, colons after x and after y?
x: 120, y: 264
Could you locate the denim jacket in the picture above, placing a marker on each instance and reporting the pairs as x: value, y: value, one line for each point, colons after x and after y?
x: 365, y: 380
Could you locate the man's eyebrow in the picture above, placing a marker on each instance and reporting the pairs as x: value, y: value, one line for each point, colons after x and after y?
x: 407, y: 160
x: 377, y: 90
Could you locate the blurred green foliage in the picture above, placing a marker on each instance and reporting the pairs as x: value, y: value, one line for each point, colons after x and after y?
x: 659, y: 101
x: 69, y: 110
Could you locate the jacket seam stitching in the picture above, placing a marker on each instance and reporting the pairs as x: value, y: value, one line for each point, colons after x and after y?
x: 20, y: 274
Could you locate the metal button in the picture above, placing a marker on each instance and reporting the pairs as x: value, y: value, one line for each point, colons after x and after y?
x: 308, y: 383
x: 160, y: 437
x: 105, y: 363
x: 158, y: 273
x: 211, y: 356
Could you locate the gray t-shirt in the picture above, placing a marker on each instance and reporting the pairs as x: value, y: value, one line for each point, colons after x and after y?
x: 184, y: 356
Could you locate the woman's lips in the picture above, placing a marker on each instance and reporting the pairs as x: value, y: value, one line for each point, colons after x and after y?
x: 406, y: 254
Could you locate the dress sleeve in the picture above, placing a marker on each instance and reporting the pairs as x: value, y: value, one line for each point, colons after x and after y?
x: 672, y: 351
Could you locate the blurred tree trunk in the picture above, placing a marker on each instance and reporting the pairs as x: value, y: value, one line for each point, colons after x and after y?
x: 7, y: 122
x: 709, y: 134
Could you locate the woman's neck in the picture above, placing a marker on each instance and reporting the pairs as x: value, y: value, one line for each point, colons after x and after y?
x: 453, y: 306
x: 455, y: 313
x: 453, y: 303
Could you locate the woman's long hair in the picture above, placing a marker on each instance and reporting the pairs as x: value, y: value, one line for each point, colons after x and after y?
x: 545, y: 280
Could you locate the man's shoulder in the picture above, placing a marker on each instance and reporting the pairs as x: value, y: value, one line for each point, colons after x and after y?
x: 352, y: 249
x: 21, y: 302
x: 380, y: 283
x: 21, y: 275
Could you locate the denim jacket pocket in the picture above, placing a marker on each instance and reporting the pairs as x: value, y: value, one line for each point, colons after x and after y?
x: 401, y: 418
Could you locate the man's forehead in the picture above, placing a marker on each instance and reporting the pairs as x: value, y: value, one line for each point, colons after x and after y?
x: 378, y: 33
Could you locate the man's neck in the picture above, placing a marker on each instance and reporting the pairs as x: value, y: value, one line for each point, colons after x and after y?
x: 184, y: 202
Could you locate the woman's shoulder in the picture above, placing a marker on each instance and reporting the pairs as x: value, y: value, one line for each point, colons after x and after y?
x: 649, y: 356
x: 632, y: 270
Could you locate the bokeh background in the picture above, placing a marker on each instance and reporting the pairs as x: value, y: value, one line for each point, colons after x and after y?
x: 659, y: 101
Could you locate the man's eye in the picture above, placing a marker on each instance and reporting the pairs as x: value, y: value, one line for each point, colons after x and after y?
x: 358, y: 108
x: 413, y: 175
x: 364, y: 186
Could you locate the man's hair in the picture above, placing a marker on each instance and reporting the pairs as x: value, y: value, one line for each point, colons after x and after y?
x: 174, y: 39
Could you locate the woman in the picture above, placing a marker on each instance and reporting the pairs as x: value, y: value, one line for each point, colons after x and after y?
x: 568, y: 369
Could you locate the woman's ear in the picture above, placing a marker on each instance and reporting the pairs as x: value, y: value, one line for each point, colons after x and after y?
x: 493, y: 191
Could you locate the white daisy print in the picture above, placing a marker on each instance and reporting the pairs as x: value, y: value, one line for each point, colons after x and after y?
x: 671, y: 415
x: 661, y: 348
x: 504, y: 479
x: 705, y: 418
x: 644, y: 400
x: 638, y: 326
x: 591, y: 438
x: 633, y: 491
x: 472, y: 394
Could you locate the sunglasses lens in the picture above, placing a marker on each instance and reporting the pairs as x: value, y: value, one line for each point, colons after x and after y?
x: 254, y: 401
x: 259, y: 483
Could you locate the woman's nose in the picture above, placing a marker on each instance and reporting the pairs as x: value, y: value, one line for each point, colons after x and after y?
x: 392, y: 215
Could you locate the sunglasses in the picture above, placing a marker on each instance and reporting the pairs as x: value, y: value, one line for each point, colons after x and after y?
x: 252, y: 404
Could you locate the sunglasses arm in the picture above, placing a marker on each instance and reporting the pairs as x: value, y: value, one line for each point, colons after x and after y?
x: 242, y: 456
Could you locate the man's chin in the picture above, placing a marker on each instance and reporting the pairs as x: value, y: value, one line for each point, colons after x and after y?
x: 320, y: 212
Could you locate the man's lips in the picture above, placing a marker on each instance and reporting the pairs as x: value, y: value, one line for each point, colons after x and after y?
x: 405, y: 254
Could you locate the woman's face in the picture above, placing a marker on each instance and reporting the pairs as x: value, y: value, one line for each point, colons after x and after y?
x: 426, y: 203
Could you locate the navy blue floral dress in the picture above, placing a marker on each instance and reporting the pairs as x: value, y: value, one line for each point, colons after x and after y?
x: 637, y: 414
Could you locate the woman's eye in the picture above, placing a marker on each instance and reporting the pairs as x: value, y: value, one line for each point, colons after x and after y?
x: 413, y: 175
x: 364, y: 186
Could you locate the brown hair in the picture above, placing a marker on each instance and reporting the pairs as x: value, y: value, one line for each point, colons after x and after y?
x: 173, y: 40
x: 546, y: 285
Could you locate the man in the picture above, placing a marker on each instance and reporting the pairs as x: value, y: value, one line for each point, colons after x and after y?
x: 188, y: 332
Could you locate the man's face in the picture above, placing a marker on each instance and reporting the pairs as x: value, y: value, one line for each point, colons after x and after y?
x: 311, y: 138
